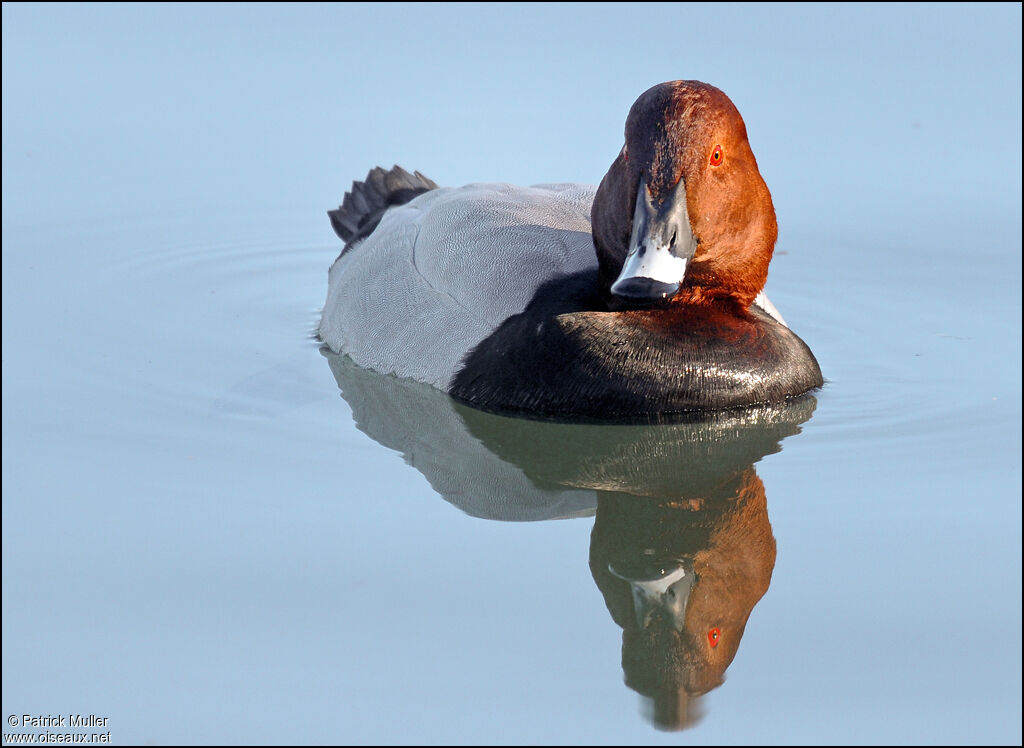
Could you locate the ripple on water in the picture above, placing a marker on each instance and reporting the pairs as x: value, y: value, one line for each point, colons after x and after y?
x: 157, y: 327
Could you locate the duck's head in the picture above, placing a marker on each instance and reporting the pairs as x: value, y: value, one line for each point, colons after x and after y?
x: 683, y: 213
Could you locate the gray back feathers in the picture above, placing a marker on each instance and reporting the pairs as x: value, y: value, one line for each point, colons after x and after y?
x: 442, y: 272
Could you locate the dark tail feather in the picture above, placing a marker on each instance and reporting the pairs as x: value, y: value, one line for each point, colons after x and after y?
x: 364, y: 205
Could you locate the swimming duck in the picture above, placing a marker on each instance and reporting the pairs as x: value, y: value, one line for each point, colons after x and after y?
x: 639, y: 299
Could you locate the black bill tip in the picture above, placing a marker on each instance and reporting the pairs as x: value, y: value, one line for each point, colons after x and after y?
x: 643, y: 290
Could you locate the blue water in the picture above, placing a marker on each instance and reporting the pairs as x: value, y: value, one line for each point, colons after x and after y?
x: 214, y: 533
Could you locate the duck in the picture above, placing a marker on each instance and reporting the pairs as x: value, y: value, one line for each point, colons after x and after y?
x: 642, y: 298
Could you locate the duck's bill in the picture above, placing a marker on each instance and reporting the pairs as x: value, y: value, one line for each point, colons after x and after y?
x: 664, y: 595
x: 660, y: 247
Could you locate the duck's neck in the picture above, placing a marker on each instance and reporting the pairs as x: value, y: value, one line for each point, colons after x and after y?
x: 735, y: 249
x: 611, y: 219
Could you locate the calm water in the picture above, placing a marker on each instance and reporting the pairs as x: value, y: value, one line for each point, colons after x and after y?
x: 212, y: 532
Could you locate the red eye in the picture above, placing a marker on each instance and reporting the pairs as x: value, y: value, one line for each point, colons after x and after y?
x: 716, y: 156
x: 715, y: 633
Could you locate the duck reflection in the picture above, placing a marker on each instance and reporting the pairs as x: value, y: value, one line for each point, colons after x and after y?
x: 681, y: 549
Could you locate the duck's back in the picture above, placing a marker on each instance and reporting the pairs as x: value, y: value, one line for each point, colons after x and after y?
x: 441, y: 273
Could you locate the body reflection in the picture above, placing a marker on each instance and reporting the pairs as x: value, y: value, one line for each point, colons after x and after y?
x: 681, y: 549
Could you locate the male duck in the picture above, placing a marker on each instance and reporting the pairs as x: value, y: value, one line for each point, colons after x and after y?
x: 495, y: 294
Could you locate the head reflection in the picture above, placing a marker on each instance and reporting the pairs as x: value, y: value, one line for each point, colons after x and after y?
x: 681, y: 577
x: 681, y: 548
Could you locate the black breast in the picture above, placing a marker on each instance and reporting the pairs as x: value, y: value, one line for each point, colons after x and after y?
x: 555, y: 360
